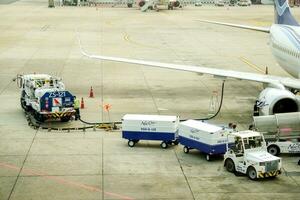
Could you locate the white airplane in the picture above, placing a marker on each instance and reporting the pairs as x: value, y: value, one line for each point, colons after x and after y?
x: 153, y: 4
x: 279, y: 94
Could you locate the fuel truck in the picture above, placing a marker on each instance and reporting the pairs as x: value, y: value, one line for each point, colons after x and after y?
x: 281, y: 131
x: 45, y: 97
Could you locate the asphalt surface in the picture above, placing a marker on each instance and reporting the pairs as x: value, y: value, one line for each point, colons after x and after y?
x: 38, y: 164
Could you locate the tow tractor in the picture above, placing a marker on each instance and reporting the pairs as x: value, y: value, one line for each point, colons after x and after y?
x: 249, y: 156
x: 45, y: 97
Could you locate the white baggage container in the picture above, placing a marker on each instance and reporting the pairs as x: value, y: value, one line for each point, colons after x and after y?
x: 207, y: 138
x: 150, y: 127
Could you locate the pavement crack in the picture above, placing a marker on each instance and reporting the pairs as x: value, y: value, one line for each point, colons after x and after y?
x: 185, y: 177
x: 21, y: 168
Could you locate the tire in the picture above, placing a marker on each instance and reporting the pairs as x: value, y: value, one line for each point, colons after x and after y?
x: 164, y: 145
x: 131, y: 143
x: 24, y: 106
x: 207, y: 157
x: 274, y: 150
x: 251, y: 173
x: 39, y: 117
x: 175, y: 142
x: 229, y: 164
x: 186, y: 149
x: 129, y: 5
x: 65, y: 119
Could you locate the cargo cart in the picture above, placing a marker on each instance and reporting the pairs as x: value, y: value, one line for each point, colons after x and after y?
x: 150, y: 127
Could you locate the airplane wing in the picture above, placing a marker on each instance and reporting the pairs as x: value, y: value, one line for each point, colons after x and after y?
x: 275, y: 81
x: 255, y: 28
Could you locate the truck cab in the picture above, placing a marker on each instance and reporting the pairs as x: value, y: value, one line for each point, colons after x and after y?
x: 248, y: 155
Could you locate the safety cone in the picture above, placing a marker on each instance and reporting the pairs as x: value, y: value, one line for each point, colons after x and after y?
x: 91, y: 92
x: 82, y: 103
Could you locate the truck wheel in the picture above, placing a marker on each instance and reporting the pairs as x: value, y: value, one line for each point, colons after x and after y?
x: 274, y: 150
x: 175, y: 142
x: 131, y: 143
x: 186, y: 149
x: 164, y: 145
x: 251, y: 172
x: 229, y: 164
x: 65, y: 119
x: 207, y: 157
x: 24, y: 106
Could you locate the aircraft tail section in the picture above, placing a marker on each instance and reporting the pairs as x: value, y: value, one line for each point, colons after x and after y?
x: 283, y: 14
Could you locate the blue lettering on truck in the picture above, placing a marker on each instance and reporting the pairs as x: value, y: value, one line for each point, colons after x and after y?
x: 46, y: 101
x: 57, y: 94
x: 294, y: 148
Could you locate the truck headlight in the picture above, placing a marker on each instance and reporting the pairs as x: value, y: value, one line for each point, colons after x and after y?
x: 262, y: 164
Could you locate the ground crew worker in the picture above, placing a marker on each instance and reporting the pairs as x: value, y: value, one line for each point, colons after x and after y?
x: 256, y: 109
x: 76, y: 107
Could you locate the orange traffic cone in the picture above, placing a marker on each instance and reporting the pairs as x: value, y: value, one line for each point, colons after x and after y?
x: 91, y: 92
x: 82, y: 103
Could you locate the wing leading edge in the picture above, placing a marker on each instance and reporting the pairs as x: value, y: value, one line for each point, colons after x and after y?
x: 254, y: 28
x: 275, y: 81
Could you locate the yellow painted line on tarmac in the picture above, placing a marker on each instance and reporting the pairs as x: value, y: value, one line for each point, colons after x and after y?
x: 261, y: 23
x: 127, y: 39
x: 253, y: 66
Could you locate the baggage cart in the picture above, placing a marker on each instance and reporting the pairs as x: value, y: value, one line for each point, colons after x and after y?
x: 150, y: 127
x: 207, y: 138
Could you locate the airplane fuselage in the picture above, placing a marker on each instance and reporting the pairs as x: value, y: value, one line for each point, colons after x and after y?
x: 285, y: 46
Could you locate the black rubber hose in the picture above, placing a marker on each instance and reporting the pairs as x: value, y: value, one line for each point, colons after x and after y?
x: 220, y: 106
x: 97, y: 123
x: 201, y: 119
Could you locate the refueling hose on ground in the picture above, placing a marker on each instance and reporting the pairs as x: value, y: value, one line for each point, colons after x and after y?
x: 112, y: 125
x: 220, y: 106
x: 97, y: 123
x: 201, y: 119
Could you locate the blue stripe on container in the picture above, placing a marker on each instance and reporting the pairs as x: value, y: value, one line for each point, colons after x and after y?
x: 136, y: 135
x: 206, y: 148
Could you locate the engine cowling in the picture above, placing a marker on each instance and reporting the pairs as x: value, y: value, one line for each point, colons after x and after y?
x: 273, y: 100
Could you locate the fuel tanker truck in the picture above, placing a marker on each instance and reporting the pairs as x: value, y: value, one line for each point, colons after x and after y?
x: 281, y: 132
x: 45, y: 97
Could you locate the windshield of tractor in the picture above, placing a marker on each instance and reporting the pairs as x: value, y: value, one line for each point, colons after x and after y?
x: 238, y: 146
x: 253, y: 142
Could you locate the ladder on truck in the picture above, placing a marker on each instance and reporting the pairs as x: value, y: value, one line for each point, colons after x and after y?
x: 148, y: 3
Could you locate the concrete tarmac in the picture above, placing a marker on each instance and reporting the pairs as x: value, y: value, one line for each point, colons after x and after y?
x: 37, y: 164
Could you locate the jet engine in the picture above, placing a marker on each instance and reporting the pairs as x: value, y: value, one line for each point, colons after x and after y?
x: 273, y: 100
